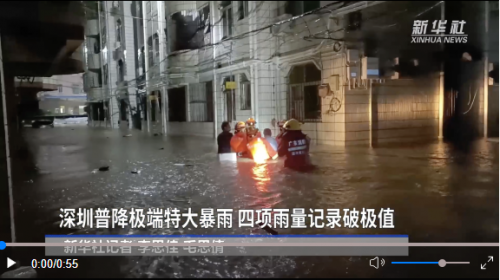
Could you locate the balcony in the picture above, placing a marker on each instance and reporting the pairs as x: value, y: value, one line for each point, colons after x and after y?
x: 24, y: 27
x: 94, y: 62
x: 92, y: 28
x: 91, y: 80
x: 96, y: 94
x: 36, y: 84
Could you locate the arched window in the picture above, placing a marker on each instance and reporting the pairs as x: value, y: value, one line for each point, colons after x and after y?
x: 121, y: 72
x: 118, y: 30
x: 156, y: 39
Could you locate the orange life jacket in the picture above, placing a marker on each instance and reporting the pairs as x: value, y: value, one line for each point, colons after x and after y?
x: 261, y: 150
x: 239, y: 142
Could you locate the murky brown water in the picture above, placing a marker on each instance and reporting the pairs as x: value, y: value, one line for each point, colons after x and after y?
x: 434, y: 198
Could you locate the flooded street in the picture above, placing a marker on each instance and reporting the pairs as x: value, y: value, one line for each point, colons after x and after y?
x: 435, y: 199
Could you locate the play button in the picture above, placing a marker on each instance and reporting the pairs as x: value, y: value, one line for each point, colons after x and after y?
x: 10, y: 262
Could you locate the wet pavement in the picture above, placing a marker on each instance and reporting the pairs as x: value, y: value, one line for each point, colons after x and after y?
x: 435, y: 198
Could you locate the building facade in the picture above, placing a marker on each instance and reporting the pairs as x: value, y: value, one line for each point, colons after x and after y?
x: 68, y: 99
x: 109, y: 70
x: 194, y: 64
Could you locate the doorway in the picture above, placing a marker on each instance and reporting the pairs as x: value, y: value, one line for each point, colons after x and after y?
x: 177, y: 104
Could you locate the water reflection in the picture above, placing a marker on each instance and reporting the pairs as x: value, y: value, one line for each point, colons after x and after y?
x: 261, y: 177
x: 431, y: 195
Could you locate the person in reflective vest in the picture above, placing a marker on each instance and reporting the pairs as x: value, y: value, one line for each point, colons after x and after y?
x: 295, y: 146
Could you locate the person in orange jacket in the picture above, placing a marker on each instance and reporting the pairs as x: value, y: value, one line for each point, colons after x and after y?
x: 253, y: 134
x: 251, y: 130
x: 239, y: 140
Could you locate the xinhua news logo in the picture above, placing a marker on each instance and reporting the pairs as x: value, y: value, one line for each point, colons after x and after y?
x: 438, y: 33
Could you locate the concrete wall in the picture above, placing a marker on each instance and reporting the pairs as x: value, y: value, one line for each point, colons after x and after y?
x: 357, y: 117
x: 203, y: 129
x: 493, y: 111
x: 405, y: 110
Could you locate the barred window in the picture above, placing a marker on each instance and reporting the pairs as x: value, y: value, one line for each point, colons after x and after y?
x: 245, y: 93
x: 201, y: 102
x: 304, y: 104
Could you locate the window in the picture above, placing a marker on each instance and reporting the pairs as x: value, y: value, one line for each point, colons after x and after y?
x: 102, y: 5
x: 245, y: 93
x: 200, y: 102
x: 105, y: 73
x: 242, y: 9
x: 229, y: 96
x: 157, y: 46
x: 77, y: 89
x: 203, y: 31
x: 142, y: 62
x: 121, y: 72
x: 103, y: 36
x: 227, y: 19
x: 97, y: 47
x: 184, y: 31
x: 99, y: 79
x: 150, y: 51
x: 204, y: 19
x: 304, y: 104
x: 296, y: 8
x: 118, y: 30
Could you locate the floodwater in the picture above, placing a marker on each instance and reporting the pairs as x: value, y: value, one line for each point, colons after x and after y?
x: 435, y: 199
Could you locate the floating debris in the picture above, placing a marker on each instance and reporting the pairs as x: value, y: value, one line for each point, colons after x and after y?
x: 180, y: 200
x: 29, y: 181
x: 104, y: 168
x: 156, y: 134
x: 182, y: 164
x: 162, y: 148
x: 135, y: 172
x: 128, y: 135
x: 268, y: 229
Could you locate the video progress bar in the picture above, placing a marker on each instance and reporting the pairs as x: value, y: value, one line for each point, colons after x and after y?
x: 430, y: 262
x: 257, y: 244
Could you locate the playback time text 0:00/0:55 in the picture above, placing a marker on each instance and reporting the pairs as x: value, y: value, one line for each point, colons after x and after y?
x: 54, y: 263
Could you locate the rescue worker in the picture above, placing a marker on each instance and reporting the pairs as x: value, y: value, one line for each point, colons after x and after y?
x: 251, y: 130
x: 295, y: 146
x: 239, y: 140
x: 280, y: 134
x: 239, y: 127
